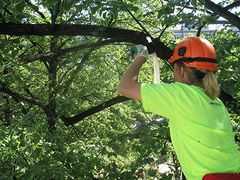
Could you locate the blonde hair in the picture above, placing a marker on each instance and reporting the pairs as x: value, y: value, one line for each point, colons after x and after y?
x: 206, y: 78
x: 210, y: 85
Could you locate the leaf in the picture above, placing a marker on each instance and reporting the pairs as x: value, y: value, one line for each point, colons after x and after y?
x: 67, y: 4
x: 20, y: 6
x: 49, y: 3
x: 152, y: 172
x: 194, y: 3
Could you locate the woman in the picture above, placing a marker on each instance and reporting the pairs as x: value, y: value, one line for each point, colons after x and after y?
x: 200, y: 127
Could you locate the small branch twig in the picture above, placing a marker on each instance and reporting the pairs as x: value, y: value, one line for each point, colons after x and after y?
x: 62, y: 52
x: 20, y: 97
x: 55, y: 11
x: 35, y: 8
x: 200, y: 29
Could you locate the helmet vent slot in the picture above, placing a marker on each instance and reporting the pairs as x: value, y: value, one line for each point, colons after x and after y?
x: 182, y: 50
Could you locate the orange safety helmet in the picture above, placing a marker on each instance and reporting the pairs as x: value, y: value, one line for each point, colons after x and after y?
x: 195, y: 52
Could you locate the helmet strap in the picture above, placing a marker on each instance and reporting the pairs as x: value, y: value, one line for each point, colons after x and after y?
x: 196, y: 59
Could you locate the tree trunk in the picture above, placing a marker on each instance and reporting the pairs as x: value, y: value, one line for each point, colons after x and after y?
x: 51, y: 114
x: 52, y: 77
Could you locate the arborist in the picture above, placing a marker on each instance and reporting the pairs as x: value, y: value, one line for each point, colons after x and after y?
x: 199, y: 123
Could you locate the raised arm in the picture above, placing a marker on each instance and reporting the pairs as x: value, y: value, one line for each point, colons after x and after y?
x: 129, y: 85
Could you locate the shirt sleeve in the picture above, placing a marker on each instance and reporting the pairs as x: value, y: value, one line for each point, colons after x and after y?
x: 160, y: 99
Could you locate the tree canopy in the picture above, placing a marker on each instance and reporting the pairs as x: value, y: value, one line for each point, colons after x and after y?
x: 61, y: 61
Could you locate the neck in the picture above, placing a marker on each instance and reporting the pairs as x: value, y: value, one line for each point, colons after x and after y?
x: 190, y: 80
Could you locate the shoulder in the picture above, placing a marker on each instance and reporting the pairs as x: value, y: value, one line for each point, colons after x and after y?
x: 161, y: 91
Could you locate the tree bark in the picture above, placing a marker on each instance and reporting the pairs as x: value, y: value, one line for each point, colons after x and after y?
x: 52, y: 94
x: 52, y: 90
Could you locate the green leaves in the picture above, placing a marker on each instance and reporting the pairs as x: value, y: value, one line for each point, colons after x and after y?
x: 19, y: 6
x: 49, y: 3
x: 116, y: 143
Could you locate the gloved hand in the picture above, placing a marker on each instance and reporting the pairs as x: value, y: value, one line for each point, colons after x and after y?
x: 139, y: 50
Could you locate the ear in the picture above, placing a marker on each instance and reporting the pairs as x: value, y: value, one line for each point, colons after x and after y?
x: 182, y: 71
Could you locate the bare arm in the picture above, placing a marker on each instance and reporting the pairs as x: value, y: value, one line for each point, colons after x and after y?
x: 129, y: 85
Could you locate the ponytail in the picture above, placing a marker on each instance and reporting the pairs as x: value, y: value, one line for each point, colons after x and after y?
x: 210, y: 84
x: 205, y: 77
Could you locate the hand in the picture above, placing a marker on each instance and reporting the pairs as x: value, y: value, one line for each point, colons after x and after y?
x: 139, y: 51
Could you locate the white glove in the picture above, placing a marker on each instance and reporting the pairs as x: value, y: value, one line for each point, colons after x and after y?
x: 139, y: 50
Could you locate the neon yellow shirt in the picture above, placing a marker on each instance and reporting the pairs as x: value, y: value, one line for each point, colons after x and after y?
x: 200, y: 128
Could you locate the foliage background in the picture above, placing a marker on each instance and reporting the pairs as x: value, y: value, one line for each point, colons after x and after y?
x: 119, y: 142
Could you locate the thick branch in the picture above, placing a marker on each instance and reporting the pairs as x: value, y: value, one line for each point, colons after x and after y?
x: 232, y: 18
x: 130, y: 36
x: 228, y: 7
x: 72, y: 120
x: 69, y: 30
x: 233, y: 5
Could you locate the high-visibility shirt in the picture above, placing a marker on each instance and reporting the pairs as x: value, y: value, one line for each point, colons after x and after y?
x: 200, y: 128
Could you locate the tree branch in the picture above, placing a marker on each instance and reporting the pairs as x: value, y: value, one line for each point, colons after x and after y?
x: 130, y: 36
x: 34, y: 57
x: 35, y: 8
x: 69, y: 30
x: 7, y: 11
x: 17, y: 96
x: 72, y: 120
x: 230, y: 6
x: 233, y: 5
x: 161, y: 33
x: 62, y: 52
x: 225, y: 97
x: 55, y: 11
x: 199, y: 29
x: 232, y: 18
